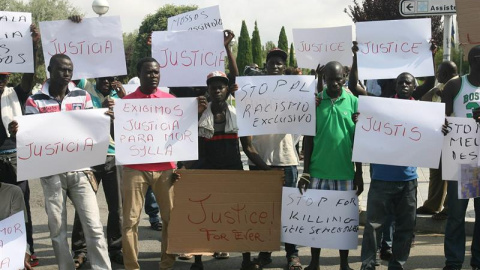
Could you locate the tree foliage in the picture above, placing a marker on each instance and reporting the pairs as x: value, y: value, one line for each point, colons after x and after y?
x: 256, y: 46
x: 42, y: 10
x: 244, y: 55
x: 375, y: 10
x: 292, y: 62
x: 153, y: 22
x: 129, y: 46
x: 282, y: 40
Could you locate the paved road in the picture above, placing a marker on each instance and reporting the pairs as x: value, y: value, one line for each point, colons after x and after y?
x: 427, y: 254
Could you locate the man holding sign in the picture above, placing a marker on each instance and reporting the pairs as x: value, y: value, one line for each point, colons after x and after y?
x: 59, y: 94
x: 136, y: 178
x: 393, y: 191
x: 12, y: 103
x: 461, y: 96
x: 11, y: 202
x: 328, y: 166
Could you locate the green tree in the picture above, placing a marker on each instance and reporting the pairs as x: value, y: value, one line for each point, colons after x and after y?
x: 292, y: 62
x: 244, y: 55
x: 282, y: 40
x: 129, y: 46
x: 42, y: 10
x: 153, y: 22
x: 375, y: 10
x: 256, y: 46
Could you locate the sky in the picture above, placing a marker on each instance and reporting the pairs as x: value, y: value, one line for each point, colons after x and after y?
x: 270, y: 15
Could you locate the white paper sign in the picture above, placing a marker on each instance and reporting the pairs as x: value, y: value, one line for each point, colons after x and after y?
x: 16, y: 47
x: 95, y: 45
x: 320, y: 218
x: 321, y: 45
x: 399, y: 132
x: 156, y: 130
x: 58, y: 142
x: 388, y: 48
x: 13, y: 242
x: 187, y: 57
x: 276, y: 105
x: 200, y: 19
x: 460, y: 146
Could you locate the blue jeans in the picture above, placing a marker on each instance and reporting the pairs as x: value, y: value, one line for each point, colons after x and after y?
x: 455, y: 239
x: 386, y: 198
x: 291, y: 176
x: 151, y: 206
x: 386, y: 234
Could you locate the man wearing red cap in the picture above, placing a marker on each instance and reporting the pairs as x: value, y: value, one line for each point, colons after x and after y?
x: 12, y: 103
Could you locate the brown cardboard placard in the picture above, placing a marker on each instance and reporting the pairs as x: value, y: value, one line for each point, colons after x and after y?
x: 468, y: 20
x: 228, y: 211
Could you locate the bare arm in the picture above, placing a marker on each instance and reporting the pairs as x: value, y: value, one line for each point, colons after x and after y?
x: 450, y: 90
x: 424, y: 88
x: 304, y: 180
x: 228, y: 35
x: 27, y: 78
x: 353, y: 85
x: 252, y: 153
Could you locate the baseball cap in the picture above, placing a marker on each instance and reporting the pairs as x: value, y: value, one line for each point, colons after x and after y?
x: 217, y: 75
x: 277, y: 52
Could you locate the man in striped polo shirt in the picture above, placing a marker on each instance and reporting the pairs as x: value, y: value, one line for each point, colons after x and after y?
x: 59, y: 94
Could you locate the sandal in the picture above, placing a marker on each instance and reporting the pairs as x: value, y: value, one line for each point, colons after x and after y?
x: 294, y: 263
x: 264, y: 258
x: 79, y: 260
x: 250, y: 266
x: 185, y: 256
x: 34, y: 260
x: 221, y: 255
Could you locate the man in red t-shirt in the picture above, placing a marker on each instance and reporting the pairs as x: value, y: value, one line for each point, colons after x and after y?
x: 137, y: 178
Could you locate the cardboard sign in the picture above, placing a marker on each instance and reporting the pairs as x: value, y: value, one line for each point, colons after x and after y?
x: 276, y: 105
x: 468, y: 20
x: 231, y: 211
x: 321, y: 45
x: 187, y: 57
x: 59, y: 142
x: 13, y: 242
x: 95, y: 45
x: 469, y: 185
x: 389, y: 131
x: 200, y: 19
x: 156, y: 130
x: 320, y: 218
x: 16, y: 47
x: 388, y: 48
x: 460, y: 146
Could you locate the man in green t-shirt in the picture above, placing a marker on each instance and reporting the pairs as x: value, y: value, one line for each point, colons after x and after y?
x: 328, y: 155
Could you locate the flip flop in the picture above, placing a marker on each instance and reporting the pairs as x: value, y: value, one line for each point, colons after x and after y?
x: 79, y: 260
x: 221, y: 255
x: 294, y: 263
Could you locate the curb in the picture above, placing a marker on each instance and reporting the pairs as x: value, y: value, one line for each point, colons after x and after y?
x: 425, y: 223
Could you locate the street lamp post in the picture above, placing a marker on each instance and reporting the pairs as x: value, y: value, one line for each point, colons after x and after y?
x: 100, y: 7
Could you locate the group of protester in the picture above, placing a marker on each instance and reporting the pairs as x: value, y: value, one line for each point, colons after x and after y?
x: 327, y: 162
